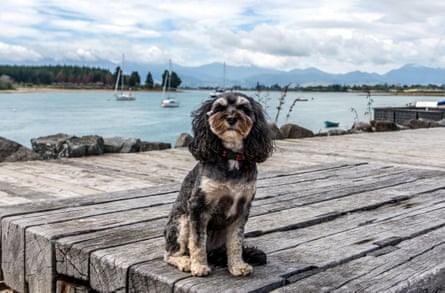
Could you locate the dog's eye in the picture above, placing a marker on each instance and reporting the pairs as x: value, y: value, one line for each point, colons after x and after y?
x: 219, y: 108
x: 245, y: 108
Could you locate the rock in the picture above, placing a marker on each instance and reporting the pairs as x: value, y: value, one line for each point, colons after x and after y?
x: 295, y: 131
x: 275, y: 131
x: 64, y: 145
x: 421, y: 123
x: 49, y: 146
x: 131, y: 145
x: 384, y: 125
x: 121, y: 145
x: 361, y: 126
x: 333, y: 132
x: 10, y: 151
x: 184, y: 139
x: 89, y: 145
x: 146, y: 146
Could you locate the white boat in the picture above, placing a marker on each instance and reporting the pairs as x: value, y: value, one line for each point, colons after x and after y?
x: 427, y: 104
x: 120, y: 95
x: 219, y: 91
x: 169, y: 101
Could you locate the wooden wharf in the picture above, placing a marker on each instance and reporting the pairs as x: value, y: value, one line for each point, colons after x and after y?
x: 353, y: 213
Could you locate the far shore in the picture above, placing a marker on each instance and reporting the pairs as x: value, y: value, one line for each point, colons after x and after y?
x: 22, y: 90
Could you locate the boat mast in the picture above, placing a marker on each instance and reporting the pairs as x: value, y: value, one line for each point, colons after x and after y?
x: 123, y: 77
x: 169, y: 73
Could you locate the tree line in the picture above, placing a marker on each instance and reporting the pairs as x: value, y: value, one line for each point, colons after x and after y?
x: 77, y: 76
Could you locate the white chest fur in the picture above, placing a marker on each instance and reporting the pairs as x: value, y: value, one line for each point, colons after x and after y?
x: 215, y: 191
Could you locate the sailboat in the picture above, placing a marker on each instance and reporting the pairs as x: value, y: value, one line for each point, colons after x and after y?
x: 122, y: 96
x: 168, y: 102
x: 219, y: 91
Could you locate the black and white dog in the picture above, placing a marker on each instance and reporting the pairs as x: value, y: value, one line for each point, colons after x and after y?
x: 231, y: 136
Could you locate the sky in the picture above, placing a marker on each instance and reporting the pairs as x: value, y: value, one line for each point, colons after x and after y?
x: 334, y: 36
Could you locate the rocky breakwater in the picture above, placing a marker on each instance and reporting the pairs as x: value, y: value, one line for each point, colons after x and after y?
x: 11, y: 151
x: 63, y: 145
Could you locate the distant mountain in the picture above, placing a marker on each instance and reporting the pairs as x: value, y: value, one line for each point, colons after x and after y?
x: 413, y: 74
x: 212, y: 75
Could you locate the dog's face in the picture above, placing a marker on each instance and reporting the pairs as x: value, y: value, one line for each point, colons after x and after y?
x: 231, y: 119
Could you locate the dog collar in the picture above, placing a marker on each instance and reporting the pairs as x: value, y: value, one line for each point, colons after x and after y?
x: 230, y: 155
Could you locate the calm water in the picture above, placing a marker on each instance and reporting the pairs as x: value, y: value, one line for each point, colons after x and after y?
x: 29, y: 115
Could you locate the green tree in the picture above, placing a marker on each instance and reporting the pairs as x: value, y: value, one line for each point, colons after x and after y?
x: 134, y: 80
x: 175, y: 81
x: 149, y: 81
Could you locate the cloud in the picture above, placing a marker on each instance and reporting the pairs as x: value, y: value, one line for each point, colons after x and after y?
x: 16, y: 53
x: 335, y: 36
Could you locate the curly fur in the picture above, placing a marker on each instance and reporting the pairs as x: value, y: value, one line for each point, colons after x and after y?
x: 206, y: 146
x: 207, y: 220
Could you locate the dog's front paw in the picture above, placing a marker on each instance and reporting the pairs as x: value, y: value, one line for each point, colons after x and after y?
x: 184, y: 264
x: 200, y: 270
x: 240, y: 269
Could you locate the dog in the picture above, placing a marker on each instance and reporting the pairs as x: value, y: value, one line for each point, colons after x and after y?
x: 231, y: 136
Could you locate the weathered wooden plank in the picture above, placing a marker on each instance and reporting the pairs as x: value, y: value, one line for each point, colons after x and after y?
x: 293, y: 235
x: 61, y: 261
x: 16, y: 219
x: 54, y: 224
x: 358, y: 224
x: 73, y: 252
x: 415, y: 265
x: 324, y: 251
x: 108, y: 267
x: 11, y: 194
x: 39, y: 250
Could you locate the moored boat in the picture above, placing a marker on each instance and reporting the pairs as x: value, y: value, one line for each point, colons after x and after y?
x: 328, y: 123
x: 122, y: 96
x: 168, y: 102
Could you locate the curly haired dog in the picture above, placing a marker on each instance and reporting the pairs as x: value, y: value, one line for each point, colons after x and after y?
x: 231, y: 136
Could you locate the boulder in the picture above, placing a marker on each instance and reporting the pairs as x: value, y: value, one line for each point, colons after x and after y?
x: 121, y: 145
x: 64, y: 145
x: 275, y: 131
x: 146, y: 146
x: 89, y: 145
x: 421, y: 123
x: 294, y: 131
x: 184, y: 139
x: 49, y: 146
x: 10, y: 151
x: 333, y: 132
x: 361, y: 126
x: 384, y: 125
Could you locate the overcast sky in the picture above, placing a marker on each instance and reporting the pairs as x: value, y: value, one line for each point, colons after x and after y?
x: 334, y: 36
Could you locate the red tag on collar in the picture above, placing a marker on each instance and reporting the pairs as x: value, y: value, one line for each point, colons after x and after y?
x: 229, y: 155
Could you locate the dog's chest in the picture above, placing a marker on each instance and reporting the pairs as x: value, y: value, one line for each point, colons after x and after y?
x: 229, y: 199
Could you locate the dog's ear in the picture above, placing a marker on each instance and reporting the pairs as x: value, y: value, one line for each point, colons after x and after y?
x: 258, y: 144
x: 205, y: 145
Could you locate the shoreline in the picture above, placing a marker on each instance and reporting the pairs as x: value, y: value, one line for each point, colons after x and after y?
x: 24, y: 90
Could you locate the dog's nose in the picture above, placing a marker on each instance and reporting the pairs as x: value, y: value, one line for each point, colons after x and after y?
x: 231, y: 120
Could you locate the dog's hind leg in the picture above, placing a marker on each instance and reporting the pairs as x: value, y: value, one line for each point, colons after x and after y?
x: 198, y: 243
x: 177, y: 234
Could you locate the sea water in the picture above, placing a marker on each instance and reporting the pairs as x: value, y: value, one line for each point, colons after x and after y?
x: 24, y: 116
